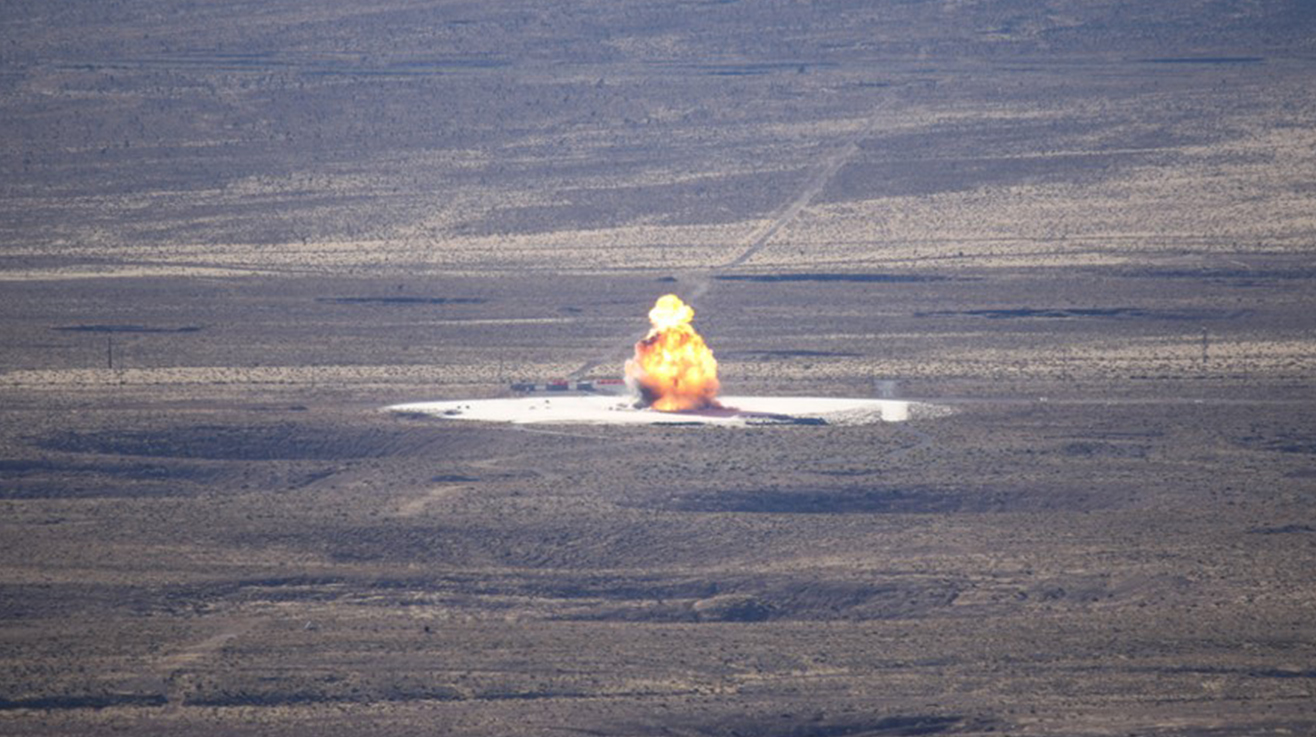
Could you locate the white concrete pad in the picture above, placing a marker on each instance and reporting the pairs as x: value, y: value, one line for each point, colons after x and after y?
x: 612, y: 410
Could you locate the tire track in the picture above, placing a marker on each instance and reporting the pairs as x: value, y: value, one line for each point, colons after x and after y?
x: 169, y: 667
x: 812, y: 189
x: 925, y: 441
x: 703, y: 280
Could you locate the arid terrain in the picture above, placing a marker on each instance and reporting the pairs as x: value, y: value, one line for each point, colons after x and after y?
x: 230, y: 234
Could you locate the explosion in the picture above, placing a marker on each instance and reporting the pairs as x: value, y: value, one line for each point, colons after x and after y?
x: 673, y: 369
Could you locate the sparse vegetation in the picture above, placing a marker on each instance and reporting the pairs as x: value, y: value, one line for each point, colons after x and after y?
x: 1086, y: 226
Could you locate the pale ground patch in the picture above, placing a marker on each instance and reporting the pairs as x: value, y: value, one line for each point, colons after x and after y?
x: 266, y: 375
x: 111, y: 271
x: 413, y: 507
x: 1226, y: 197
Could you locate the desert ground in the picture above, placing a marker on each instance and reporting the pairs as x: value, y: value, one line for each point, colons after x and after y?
x: 232, y: 234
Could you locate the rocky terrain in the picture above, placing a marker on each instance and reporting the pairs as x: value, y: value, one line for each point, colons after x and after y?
x: 233, y: 234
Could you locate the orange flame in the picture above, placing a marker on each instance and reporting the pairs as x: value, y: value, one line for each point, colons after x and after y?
x: 673, y: 369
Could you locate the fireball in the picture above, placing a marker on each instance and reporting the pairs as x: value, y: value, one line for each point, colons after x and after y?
x: 673, y: 369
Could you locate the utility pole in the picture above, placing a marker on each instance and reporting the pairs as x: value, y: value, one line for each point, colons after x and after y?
x: 1206, y: 345
x: 109, y: 351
